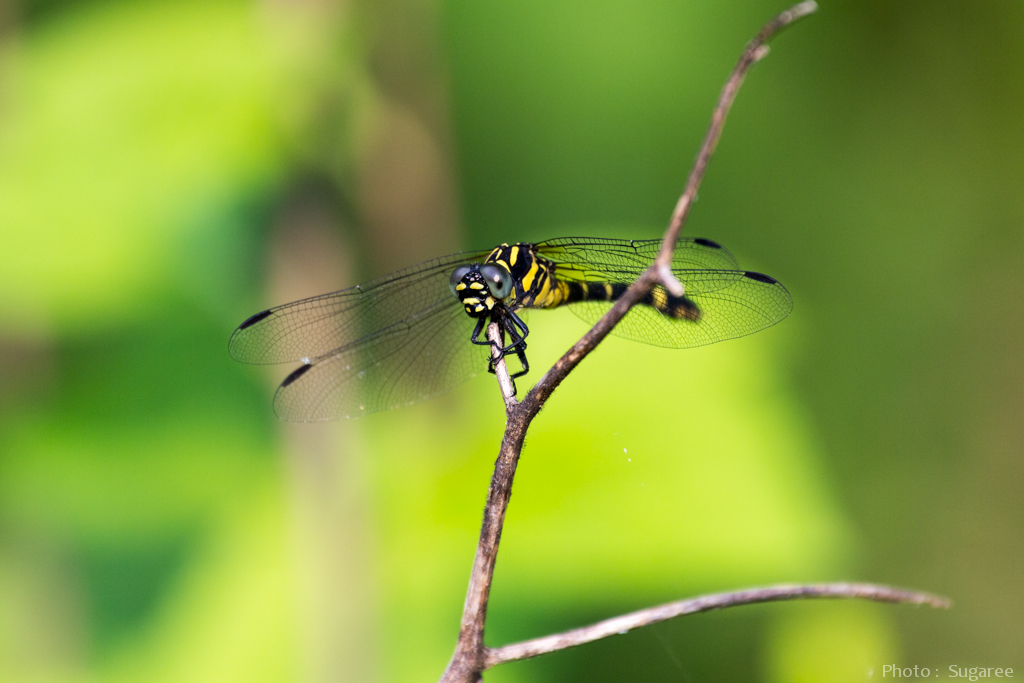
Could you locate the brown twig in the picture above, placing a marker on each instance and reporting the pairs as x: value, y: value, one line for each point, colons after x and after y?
x: 471, y: 657
x: 756, y: 50
x: 508, y: 387
x: 704, y: 603
x: 659, y: 271
x: 468, y: 660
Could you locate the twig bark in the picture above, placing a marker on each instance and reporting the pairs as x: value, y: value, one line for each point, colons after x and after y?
x: 704, y: 603
x: 508, y: 387
x: 756, y: 50
x: 468, y: 660
x: 470, y: 652
x: 471, y: 656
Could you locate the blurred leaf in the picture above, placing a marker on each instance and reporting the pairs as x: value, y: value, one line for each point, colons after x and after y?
x: 118, y: 118
x: 124, y: 584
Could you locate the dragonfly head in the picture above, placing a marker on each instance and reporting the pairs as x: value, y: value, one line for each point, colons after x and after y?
x: 480, y: 288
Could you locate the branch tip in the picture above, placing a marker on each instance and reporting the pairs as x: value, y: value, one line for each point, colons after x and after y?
x: 706, y: 603
x: 508, y: 387
x: 799, y: 11
x: 669, y: 280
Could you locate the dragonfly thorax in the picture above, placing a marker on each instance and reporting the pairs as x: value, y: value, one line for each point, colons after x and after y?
x: 480, y: 288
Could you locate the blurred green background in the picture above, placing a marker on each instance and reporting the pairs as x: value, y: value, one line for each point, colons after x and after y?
x: 169, y: 168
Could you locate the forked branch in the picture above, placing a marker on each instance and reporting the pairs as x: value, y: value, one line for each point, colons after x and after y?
x: 471, y: 656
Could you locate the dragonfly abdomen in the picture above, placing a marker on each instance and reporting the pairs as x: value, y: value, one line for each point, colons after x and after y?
x: 658, y: 298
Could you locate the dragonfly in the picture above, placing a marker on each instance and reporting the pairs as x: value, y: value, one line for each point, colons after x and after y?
x: 418, y: 332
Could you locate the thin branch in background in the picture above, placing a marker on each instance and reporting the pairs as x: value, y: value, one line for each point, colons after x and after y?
x: 705, y: 603
x: 471, y: 656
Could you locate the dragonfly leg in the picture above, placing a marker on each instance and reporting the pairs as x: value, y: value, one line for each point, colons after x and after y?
x: 514, y: 324
x: 501, y: 333
x: 518, y: 322
x: 475, y: 337
x: 492, y: 363
x: 521, y: 353
x: 518, y: 345
x: 517, y: 340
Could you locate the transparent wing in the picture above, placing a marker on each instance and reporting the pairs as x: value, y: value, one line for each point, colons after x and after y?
x: 317, y: 327
x: 732, y: 303
x: 409, y: 361
x: 611, y: 260
x: 403, y: 338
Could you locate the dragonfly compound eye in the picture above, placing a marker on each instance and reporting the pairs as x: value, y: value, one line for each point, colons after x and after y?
x: 498, y: 280
x: 457, y: 275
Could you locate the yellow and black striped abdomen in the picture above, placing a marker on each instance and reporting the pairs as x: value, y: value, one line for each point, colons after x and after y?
x: 658, y: 298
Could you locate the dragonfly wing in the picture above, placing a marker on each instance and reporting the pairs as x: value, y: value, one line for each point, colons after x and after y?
x: 732, y: 303
x: 404, y: 363
x: 612, y: 260
x: 317, y: 327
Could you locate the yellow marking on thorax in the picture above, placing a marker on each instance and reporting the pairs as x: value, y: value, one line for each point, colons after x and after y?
x: 543, y: 293
x: 530, y: 275
x: 471, y: 300
x: 490, y: 302
x: 514, y: 255
x: 461, y: 286
x: 475, y: 285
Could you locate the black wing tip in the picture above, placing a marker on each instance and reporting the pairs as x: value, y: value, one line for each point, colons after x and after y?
x: 302, y: 370
x: 704, y: 242
x: 760, y: 277
x: 253, y: 319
